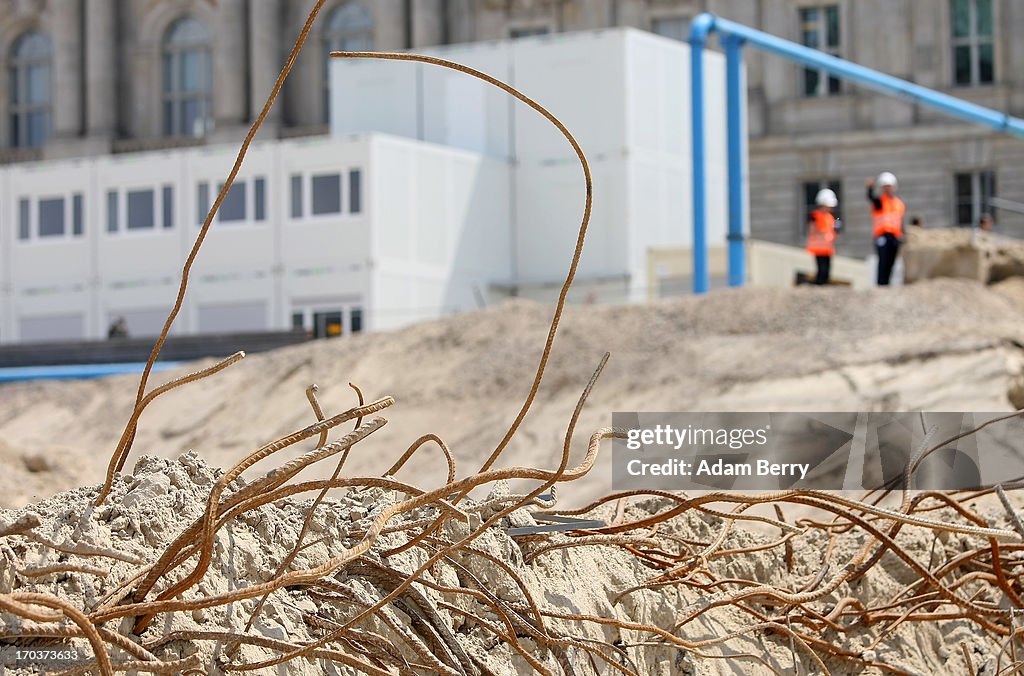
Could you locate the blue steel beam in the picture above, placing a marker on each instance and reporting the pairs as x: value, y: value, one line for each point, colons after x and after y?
x: 734, y: 35
x: 871, y: 79
x: 737, y: 151
x: 698, y: 34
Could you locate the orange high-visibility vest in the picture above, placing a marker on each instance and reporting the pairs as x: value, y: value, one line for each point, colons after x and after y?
x: 888, y: 219
x: 821, y: 234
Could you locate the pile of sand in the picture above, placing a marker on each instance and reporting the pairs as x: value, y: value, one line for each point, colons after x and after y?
x: 148, y: 508
x: 1012, y: 288
x: 939, y: 345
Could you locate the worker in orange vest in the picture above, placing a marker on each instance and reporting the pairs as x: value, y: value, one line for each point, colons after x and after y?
x: 887, y: 212
x: 822, y: 228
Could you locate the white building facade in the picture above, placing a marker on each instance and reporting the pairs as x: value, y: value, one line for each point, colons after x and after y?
x: 624, y: 95
x: 434, y: 193
x: 302, y: 240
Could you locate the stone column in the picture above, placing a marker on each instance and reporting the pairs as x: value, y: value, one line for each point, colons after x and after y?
x: 631, y: 13
x: 229, y: 67
x: 67, y: 74
x: 303, y: 105
x: 389, y: 24
x: 427, y: 23
x: 101, y: 68
x: 462, y: 21
x: 778, y: 77
x: 265, y: 58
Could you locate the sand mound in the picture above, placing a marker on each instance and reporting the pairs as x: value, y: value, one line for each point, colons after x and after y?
x: 463, y: 617
x: 657, y: 590
x: 939, y: 345
x: 1012, y: 288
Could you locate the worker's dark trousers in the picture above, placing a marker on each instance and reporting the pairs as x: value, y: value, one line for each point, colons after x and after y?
x: 824, y: 267
x: 886, y: 246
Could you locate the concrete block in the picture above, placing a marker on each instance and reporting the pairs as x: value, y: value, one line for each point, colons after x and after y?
x: 942, y: 252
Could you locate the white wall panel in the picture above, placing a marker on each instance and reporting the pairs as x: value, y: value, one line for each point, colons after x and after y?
x: 581, y: 79
x: 141, y: 322
x: 381, y: 96
x: 462, y: 111
x: 658, y: 104
x: 432, y: 218
x: 550, y: 204
x: 228, y: 317
x: 397, y: 201
x: 442, y: 232
x: 52, y: 327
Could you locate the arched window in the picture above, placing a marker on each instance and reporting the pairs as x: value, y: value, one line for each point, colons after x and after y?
x: 187, y: 78
x: 30, y: 92
x: 349, y: 28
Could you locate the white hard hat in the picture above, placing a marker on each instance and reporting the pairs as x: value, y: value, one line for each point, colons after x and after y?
x: 826, y: 198
x: 886, y: 178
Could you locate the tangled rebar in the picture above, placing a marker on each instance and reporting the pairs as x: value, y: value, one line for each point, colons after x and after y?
x: 429, y: 581
x: 462, y: 576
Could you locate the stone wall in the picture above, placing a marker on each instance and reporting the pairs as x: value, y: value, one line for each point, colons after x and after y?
x: 107, y: 75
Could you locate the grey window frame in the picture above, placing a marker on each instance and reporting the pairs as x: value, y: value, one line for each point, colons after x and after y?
x: 21, y: 68
x: 175, y: 97
x: 203, y: 202
x: 77, y: 214
x: 128, y: 210
x: 336, y: 179
x: 24, y: 219
x: 820, y: 27
x: 259, y: 199
x: 113, y: 210
x: 297, y: 206
x: 355, y: 191
x: 167, y: 206
x: 238, y: 191
x: 36, y: 211
x: 42, y: 202
x: 984, y: 184
x: 973, y: 41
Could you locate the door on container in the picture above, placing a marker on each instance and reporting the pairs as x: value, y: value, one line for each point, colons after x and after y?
x: 328, y: 324
x: 328, y: 320
x: 355, y: 318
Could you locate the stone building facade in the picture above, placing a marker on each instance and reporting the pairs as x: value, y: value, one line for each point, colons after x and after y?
x: 87, y: 77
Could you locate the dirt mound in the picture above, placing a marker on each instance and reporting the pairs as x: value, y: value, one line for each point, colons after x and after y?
x: 1012, y: 288
x: 381, y: 581
x: 502, y: 605
x: 940, y: 345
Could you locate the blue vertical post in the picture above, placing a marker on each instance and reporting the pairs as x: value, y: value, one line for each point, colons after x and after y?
x: 734, y: 119
x: 699, y: 30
